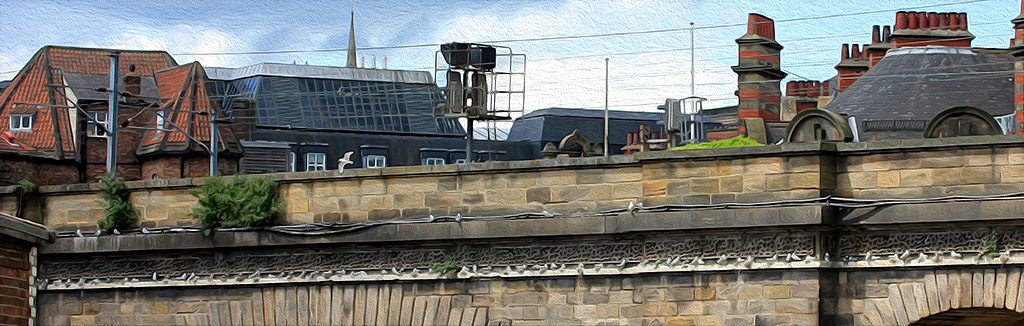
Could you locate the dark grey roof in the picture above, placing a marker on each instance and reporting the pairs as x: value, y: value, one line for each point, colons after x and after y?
x: 588, y: 113
x: 82, y: 84
x: 909, y: 86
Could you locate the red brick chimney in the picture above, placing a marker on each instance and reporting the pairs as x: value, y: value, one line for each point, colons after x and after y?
x: 879, y: 44
x: 1017, y: 50
x: 853, y: 64
x: 758, y: 69
x: 929, y: 28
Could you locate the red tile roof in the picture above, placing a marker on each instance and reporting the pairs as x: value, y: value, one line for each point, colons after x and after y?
x: 187, y: 91
x: 51, y: 135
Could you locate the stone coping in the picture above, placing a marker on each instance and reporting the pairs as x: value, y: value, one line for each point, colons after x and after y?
x: 789, y: 149
x: 615, y: 225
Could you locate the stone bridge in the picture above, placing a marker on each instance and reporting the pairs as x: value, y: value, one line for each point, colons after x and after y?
x: 923, y: 232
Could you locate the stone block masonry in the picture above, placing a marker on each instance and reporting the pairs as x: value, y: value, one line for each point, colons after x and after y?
x: 694, y: 299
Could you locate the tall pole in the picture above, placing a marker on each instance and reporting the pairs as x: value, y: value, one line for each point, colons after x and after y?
x: 606, y: 107
x: 213, y: 139
x: 112, y: 115
x: 692, y: 70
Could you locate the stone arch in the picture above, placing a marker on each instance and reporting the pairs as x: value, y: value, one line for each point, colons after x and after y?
x: 944, y: 295
x: 962, y: 121
x: 818, y: 125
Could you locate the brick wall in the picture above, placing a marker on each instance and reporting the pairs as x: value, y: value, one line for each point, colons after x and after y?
x: 767, y: 297
x: 15, y: 273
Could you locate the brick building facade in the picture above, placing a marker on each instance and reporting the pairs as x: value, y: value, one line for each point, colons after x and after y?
x: 18, y: 241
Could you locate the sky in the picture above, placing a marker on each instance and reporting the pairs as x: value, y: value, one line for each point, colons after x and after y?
x: 566, y: 42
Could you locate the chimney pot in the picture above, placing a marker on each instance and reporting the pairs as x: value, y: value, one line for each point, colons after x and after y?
x: 791, y: 88
x: 805, y: 88
x: 922, y: 20
x: 963, y: 21
x: 864, y: 52
x: 912, y: 20
x: 875, y: 34
x: 846, y: 51
x: 815, y: 89
x: 933, y: 20
x: 855, y: 52
x: 885, y: 34
x: 954, y: 21
x: 901, y: 20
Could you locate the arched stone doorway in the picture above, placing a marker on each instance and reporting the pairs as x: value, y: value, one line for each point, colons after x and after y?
x: 973, y: 316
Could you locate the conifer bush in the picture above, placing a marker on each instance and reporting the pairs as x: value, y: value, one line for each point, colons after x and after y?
x: 237, y: 201
x: 120, y: 213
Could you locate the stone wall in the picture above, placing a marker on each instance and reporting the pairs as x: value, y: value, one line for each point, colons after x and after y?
x: 761, y: 298
x: 907, y: 169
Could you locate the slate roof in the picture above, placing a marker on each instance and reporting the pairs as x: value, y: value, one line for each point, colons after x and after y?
x: 551, y: 125
x: 187, y: 106
x: 51, y: 135
x: 909, y: 86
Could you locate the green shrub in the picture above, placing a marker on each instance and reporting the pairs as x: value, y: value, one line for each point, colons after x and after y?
x: 237, y: 201
x: 120, y: 211
x: 738, y: 141
x: 448, y: 267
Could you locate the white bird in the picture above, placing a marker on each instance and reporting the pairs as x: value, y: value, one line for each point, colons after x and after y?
x: 893, y: 256
x: 96, y: 281
x: 674, y: 261
x: 1004, y: 253
x: 723, y: 259
x: 414, y: 270
x: 314, y: 273
x: 383, y: 271
x: 182, y: 277
x: 135, y: 280
x: 772, y: 258
x: 548, y: 214
x: 255, y: 275
x: 562, y: 266
x: 487, y: 268
x: 905, y: 254
x: 826, y: 256
x: 359, y: 273
x: 622, y: 263
x: 98, y: 233
x: 396, y: 270
x: 631, y: 207
x: 458, y: 217
x: 521, y: 268
x: 954, y: 254
x: 116, y: 231
x: 508, y: 269
x: 154, y: 276
x: 599, y: 265
x: 191, y: 277
x: 540, y: 267
x: 145, y: 230
x: 474, y: 268
x: 342, y: 162
x: 749, y: 262
x: 79, y: 233
x: 697, y: 261
x: 643, y: 263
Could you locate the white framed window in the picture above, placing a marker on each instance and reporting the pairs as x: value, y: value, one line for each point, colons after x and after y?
x: 433, y: 161
x: 21, y: 122
x: 375, y: 161
x: 315, y: 161
x: 93, y: 130
x: 159, y: 124
x: 460, y: 161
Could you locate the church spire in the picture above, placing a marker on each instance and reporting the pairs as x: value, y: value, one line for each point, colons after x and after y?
x: 352, y: 43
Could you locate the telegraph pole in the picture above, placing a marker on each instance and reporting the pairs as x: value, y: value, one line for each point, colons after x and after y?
x: 606, y: 107
x: 112, y: 115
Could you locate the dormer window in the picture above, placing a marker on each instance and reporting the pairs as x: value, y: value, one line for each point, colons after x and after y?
x: 21, y: 122
x: 94, y: 130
